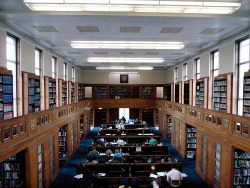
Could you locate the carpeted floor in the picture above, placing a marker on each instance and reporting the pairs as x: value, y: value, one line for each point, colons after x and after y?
x: 67, y: 171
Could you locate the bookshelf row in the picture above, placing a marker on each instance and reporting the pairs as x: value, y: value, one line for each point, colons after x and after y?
x: 6, y: 96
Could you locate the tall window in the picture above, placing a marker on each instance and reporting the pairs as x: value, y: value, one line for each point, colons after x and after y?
x: 38, y: 61
x: 217, y: 164
x: 204, y: 155
x: 243, y: 66
x: 54, y: 63
x: 65, y: 67
x: 40, y: 166
x: 185, y: 72
x: 215, y: 63
x: 176, y: 74
x: 73, y: 74
x: 11, y: 54
x: 197, y: 68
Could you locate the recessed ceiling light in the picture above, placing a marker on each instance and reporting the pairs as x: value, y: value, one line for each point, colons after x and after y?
x: 150, y: 6
x: 127, y: 45
x: 124, y: 60
x: 124, y: 68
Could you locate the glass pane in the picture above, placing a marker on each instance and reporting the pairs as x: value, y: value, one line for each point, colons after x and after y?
x: 216, y: 60
x: 39, y: 157
x: 217, y: 173
x: 40, y: 167
x: 217, y: 164
x: 217, y: 147
x: 39, y: 148
x: 11, y: 48
x: 237, y: 127
x: 244, y: 51
x: 217, y: 156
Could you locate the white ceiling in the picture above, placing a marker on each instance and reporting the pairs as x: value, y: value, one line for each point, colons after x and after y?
x: 56, y: 30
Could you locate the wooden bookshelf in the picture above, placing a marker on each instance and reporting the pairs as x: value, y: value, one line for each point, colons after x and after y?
x: 50, y: 88
x: 34, y: 94
x: 186, y: 94
x: 100, y: 92
x: 112, y: 92
x: 13, y: 171
x: 167, y: 92
x: 123, y: 91
x: 199, y: 99
x: 241, y: 173
x: 222, y: 93
x: 191, y: 142
x: 6, y: 94
x: 246, y: 94
x: 169, y: 126
x: 136, y: 92
x: 62, y: 143
x: 147, y: 92
x: 81, y: 92
x: 73, y: 93
x: 177, y: 93
x: 64, y: 93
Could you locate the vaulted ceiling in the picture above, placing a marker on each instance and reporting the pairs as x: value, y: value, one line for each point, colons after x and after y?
x: 55, y: 31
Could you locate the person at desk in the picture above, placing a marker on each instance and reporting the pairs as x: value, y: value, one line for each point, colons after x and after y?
x: 123, y: 119
x: 152, y: 141
x: 120, y: 142
x: 100, y: 142
x: 117, y: 157
x: 93, y: 154
x: 175, y: 177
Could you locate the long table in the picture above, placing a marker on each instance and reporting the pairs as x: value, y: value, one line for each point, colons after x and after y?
x: 133, y: 139
x: 125, y: 131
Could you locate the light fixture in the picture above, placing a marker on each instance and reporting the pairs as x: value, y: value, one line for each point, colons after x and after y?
x: 137, y: 6
x: 127, y: 45
x: 124, y: 60
x: 124, y: 68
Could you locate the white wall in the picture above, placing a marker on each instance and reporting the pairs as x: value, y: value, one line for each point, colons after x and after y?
x: 47, y: 64
x: 114, y: 78
x: 205, y: 67
x: 60, y: 68
x: 78, y: 75
x: 190, y: 70
x: 227, y: 59
x: 27, y: 57
x: 154, y: 77
x: 170, y: 75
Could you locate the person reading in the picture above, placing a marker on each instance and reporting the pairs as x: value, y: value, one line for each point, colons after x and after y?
x: 175, y: 177
x: 93, y: 154
x: 117, y: 157
x: 120, y: 142
x: 152, y: 141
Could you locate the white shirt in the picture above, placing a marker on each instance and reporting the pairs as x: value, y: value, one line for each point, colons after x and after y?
x: 120, y: 142
x: 174, y: 175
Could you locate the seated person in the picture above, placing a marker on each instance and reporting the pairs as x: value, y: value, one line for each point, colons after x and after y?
x: 108, y: 152
x: 152, y: 141
x: 100, y: 142
x: 120, y: 142
x: 154, y: 180
x: 93, y: 154
x: 174, y: 177
x: 117, y: 157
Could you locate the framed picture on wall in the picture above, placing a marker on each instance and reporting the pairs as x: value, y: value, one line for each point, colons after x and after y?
x: 123, y: 78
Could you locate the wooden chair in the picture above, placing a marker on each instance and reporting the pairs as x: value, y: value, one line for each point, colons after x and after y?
x: 142, y: 182
x: 175, y: 183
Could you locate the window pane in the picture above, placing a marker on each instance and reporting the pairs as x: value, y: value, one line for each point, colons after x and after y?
x: 244, y: 51
x: 216, y: 60
x: 11, y: 48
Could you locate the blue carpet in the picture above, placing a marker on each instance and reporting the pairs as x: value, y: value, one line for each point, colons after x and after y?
x: 67, y: 172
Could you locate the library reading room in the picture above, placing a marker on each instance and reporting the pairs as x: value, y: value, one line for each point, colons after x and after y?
x: 124, y: 94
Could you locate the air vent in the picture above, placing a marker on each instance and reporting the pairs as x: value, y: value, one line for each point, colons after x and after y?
x: 210, y: 31
x: 174, y: 30
x: 88, y: 29
x: 126, y: 53
x: 130, y: 29
x: 45, y: 28
x: 101, y: 53
x: 152, y: 53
